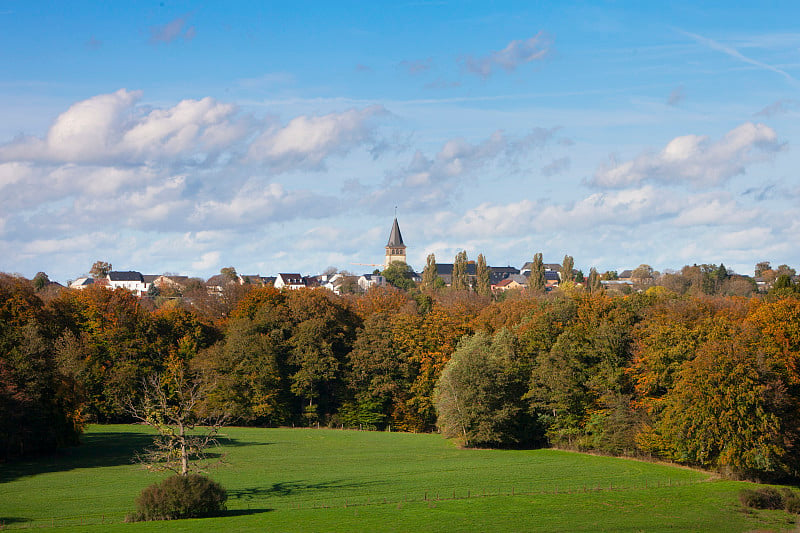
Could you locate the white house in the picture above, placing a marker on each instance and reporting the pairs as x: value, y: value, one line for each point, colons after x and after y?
x: 131, y: 280
x: 289, y: 281
x: 371, y: 280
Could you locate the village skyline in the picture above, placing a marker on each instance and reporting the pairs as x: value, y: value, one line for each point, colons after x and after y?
x: 180, y: 138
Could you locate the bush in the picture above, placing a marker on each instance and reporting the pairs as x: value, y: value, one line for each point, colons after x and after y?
x: 191, y: 496
x: 791, y: 501
x: 765, y: 498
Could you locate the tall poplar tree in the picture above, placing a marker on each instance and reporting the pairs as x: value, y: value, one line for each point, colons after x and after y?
x: 484, y: 284
x: 429, y: 275
x: 460, y: 280
x: 593, y: 282
x: 536, y: 281
x: 567, y: 266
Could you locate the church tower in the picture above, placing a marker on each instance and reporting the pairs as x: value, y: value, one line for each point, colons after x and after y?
x: 395, y: 249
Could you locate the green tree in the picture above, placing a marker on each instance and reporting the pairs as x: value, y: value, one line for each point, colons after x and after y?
x: 400, y: 275
x: 460, y: 280
x: 322, y: 335
x: 483, y: 285
x: 567, y: 267
x: 430, y: 274
x: 536, y: 282
x: 40, y: 281
x: 380, y: 373
x: 610, y: 275
x: 478, y: 396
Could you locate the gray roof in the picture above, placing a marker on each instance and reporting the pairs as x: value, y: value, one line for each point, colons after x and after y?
x: 125, y: 276
x: 546, y: 266
x: 291, y: 278
x: 395, y: 237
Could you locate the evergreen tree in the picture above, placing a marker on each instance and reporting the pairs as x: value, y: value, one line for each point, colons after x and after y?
x: 460, y: 280
x: 484, y: 284
x: 567, y: 267
x: 430, y: 275
x: 536, y: 281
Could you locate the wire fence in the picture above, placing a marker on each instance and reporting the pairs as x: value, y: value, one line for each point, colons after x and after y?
x: 429, y: 497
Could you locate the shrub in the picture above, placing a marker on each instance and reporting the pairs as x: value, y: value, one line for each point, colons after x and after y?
x: 764, y: 498
x: 791, y: 501
x: 191, y: 496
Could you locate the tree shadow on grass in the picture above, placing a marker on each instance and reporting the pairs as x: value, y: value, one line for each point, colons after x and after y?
x: 293, y: 488
x: 8, y: 520
x: 245, y: 512
x: 97, y: 449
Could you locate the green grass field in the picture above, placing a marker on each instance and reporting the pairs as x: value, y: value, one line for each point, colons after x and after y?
x: 330, y: 480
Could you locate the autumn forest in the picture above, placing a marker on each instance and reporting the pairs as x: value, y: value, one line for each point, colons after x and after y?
x: 699, y: 379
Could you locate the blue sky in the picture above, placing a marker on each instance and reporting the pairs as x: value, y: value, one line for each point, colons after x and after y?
x: 274, y: 137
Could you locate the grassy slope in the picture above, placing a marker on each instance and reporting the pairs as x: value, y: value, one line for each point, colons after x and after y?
x: 323, y: 480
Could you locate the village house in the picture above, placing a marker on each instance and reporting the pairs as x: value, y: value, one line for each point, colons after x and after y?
x: 290, y: 281
x: 131, y: 280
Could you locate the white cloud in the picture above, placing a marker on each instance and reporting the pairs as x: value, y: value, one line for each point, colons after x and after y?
x: 695, y: 159
x: 710, y: 210
x: 258, y: 203
x: 746, y: 239
x: 429, y: 182
x: 111, y: 129
x: 321, y: 238
x: 207, y: 261
x: 512, y: 56
x: 306, y: 141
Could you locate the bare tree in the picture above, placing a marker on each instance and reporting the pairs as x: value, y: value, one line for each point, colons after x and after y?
x: 172, y: 404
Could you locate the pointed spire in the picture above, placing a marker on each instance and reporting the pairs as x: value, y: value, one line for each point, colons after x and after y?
x: 395, y: 238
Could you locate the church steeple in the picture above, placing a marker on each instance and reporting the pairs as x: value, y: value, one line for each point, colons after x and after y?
x: 395, y: 249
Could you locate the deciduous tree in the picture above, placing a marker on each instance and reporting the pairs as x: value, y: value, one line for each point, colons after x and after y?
x: 567, y: 267
x: 536, y: 281
x: 483, y: 284
x: 460, y: 280
x: 100, y: 269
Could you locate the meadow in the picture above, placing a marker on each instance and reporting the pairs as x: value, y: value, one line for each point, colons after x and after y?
x: 333, y: 480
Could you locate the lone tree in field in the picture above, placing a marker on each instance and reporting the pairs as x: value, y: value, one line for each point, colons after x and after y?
x: 172, y: 404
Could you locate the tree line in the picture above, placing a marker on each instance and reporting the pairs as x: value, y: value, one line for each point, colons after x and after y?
x: 706, y: 380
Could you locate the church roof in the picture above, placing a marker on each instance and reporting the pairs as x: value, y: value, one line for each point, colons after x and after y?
x: 395, y: 237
